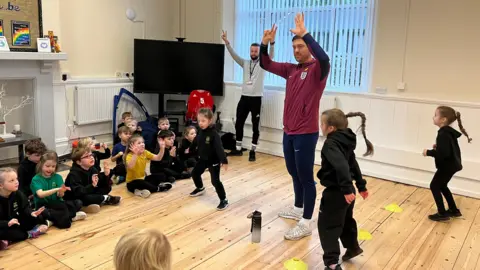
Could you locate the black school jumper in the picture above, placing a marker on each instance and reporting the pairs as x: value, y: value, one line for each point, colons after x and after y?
x: 189, y: 159
x: 170, y: 166
x: 448, y: 161
x: 211, y: 156
x: 335, y: 219
x: 17, y: 206
x: 26, y: 171
x: 80, y: 183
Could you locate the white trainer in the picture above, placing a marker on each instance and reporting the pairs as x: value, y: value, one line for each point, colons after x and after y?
x: 144, y: 193
x: 298, y: 232
x: 290, y: 214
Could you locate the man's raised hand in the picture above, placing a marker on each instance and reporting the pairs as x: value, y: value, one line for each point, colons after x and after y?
x: 224, y: 37
x: 299, y: 29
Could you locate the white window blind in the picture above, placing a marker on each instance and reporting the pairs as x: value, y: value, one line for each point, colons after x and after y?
x: 342, y: 27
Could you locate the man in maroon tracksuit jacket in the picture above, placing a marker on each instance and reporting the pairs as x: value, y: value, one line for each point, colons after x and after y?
x: 305, y: 84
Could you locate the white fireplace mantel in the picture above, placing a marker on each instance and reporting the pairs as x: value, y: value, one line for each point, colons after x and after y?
x: 39, y: 67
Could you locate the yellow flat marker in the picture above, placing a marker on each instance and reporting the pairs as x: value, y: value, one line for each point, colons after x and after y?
x: 295, y: 264
x: 393, y: 207
x: 364, y: 235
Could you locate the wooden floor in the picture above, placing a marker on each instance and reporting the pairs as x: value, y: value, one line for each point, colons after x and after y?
x: 203, y: 238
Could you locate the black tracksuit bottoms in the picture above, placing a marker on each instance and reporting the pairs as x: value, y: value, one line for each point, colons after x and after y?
x: 17, y: 233
x: 150, y: 183
x: 62, y: 212
x: 245, y: 106
x: 438, y: 186
x: 214, y: 170
x: 335, y: 220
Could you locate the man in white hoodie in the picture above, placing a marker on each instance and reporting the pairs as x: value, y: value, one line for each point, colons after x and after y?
x: 252, y: 92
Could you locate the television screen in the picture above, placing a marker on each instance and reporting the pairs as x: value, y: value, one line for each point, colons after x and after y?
x: 172, y: 67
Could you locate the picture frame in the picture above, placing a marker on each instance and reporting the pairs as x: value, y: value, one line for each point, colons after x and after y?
x: 22, y: 24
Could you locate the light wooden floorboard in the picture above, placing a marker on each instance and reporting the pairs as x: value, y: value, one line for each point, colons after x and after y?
x: 203, y: 238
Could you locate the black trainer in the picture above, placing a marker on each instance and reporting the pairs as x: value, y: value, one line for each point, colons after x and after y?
x: 171, y: 179
x: 252, y: 156
x: 235, y: 153
x: 222, y: 205
x: 338, y: 267
x: 185, y: 175
x: 351, y: 253
x: 198, y: 192
x: 164, y: 187
x: 439, y: 217
x: 113, y: 200
x: 454, y: 213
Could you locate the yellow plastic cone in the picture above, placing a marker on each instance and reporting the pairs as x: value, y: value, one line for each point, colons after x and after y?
x: 364, y: 235
x: 393, y: 207
x: 295, y: 264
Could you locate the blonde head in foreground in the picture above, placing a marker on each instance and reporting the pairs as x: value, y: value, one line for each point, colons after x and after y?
x: 146, y: 249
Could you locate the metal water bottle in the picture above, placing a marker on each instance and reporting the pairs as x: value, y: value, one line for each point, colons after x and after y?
x: 256, y: 227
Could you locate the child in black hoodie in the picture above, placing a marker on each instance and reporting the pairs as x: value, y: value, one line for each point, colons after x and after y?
x: 17, y: 220
x: 187, y: 152
x: 170, y: 165
x: 339, y: 167
x: 448, y: 161
x: 97, y: 155
x: 87, y: 183
x: 28, y: 167
x: 211, y: 156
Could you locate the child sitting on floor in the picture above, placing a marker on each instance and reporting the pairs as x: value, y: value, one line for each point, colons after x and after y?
x: 135, y: 159
x: 28, y: 167
x: 87, y: 183
x: 17, y: 220
x: 143, y: 249
x: 126, y: 116
x: 170, y: 165
x: 119, y: 149
x: 48, y: 191
x: 97, y: 155
x: 187, y: 152
x: 132, y: 124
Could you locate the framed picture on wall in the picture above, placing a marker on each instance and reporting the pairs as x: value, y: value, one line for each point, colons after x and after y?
x: 21, y: 23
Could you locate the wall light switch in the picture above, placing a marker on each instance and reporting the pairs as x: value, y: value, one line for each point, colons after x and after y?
x: 401, y: 86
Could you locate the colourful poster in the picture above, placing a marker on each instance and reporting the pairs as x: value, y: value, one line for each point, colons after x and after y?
x: 20, y: 33
x: 1, y: 28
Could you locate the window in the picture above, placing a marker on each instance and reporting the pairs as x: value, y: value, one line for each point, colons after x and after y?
x: 342, y: 27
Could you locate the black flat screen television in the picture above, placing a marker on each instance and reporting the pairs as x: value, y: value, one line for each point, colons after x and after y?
x: 172, y: 67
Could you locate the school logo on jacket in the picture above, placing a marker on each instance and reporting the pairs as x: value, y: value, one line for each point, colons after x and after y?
x: 304, y: 74
x: 15, y: 207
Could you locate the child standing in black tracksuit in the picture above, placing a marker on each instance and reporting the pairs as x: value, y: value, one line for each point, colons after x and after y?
x: 448, y: 161
x: 211, y: 156
x: 339, y: 166
x: 188, y: 152
x: 170, y: 165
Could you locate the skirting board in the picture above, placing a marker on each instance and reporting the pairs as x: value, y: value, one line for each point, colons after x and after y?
x: 400, y: 174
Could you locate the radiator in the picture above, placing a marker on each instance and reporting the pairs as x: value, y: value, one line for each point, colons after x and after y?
x: 93, y: 103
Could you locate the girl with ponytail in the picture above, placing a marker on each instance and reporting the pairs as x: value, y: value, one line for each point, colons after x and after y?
x: 448, y: 160
x: 339, y: 166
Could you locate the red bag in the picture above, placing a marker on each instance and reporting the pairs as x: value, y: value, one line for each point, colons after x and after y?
x: 198, y: 99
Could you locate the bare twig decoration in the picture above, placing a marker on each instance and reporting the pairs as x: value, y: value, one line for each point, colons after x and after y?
x: 5, y: 110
